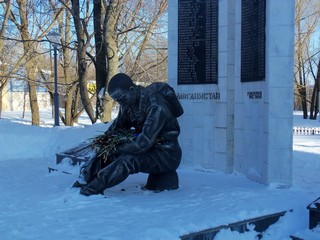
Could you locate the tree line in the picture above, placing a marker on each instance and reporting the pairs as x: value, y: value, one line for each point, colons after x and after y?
x: 98, y: 38
x: 307, y: 58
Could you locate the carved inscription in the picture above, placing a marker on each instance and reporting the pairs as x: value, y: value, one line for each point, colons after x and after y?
x: 197, y: 41
x: 254, y: 94
x: 199, y: 96
x: 253, y: 40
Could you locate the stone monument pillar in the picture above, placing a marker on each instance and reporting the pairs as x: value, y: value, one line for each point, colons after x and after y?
x: 231, y: 64
x: 264, y: 102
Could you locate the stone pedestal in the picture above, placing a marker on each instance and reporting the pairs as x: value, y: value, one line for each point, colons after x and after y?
x: 162, y: 181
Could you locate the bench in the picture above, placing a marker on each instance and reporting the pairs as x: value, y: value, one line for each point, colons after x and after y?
x: 78, y: 154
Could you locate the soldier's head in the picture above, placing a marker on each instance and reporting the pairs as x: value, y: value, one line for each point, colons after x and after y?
x: 122, y: 89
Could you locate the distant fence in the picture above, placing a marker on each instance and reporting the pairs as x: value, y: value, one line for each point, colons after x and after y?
x: 306, y: 131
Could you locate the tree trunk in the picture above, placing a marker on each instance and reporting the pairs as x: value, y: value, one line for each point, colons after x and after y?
x: 315, y: 93
x: 31, y: 66
x: 3, y: 81
x: 76, y: 105
x: 70, y: 89
x: 83, y: 43
x: 110, y: 36
x: 302, y: 87
x: 303, y: 98
x: 0, y: 102
x: 82, y: 73
x: 313, y: 104
x: 24, y: 99
x: 68, y: 118
x: 101, y: 52
x: 317, y: 82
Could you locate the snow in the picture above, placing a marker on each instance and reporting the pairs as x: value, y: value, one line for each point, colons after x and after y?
x: 36, y: 204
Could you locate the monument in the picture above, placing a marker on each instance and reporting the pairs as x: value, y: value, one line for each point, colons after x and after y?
x: 231, y: 64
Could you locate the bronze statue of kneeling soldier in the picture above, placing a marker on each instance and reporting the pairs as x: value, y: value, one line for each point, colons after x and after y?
x: 148, y: 119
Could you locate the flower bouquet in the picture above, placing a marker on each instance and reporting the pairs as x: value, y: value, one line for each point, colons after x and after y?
x: 106, y: 144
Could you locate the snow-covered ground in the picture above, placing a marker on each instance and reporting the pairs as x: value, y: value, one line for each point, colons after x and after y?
x: 36, y: 204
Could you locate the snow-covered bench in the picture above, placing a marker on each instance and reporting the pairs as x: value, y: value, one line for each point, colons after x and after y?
x: 78, y: 154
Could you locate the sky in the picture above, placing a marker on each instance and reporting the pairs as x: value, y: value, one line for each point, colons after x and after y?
x: 36, y: 204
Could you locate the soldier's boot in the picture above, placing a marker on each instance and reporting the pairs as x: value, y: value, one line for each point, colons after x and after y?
x: 95, y: 187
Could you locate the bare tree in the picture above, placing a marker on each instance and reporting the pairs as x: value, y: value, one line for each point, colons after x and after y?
x: 110, y: 30
x: 130, y: 37
x: 70, y: 79
x: 150, y: 23
x: 3, y: 80
x: 126, y: 39
x: 64, y: 29
x: 314, y: 102
x: 307, y: 15
x: 101, y: 52
x: 81, y: 21
x: 33, y: 27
